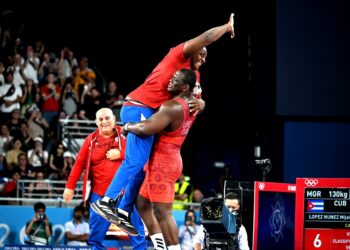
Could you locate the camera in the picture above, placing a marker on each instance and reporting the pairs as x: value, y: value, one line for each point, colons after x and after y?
x: 41, y: 217
x: 219, y: 224
x: 190, y: 218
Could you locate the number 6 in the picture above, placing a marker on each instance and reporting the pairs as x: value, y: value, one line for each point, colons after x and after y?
x: 317, y: 241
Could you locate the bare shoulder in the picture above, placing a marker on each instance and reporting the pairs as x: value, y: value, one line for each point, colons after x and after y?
x: 171, y: 106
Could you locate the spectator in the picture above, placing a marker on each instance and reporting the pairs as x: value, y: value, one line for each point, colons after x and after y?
x: 114, y: 99
x: 47, y: 66
x: 66, y: 64
x: 40, y: 188
x: 2, y: 164
x: 31, y: 65
x: 10, y: 188
x: 77, y: 230
x: 84, y: 76
x: 37, y: 124
x: 14, y: 123
x: 69, y: 99
x: 5, y: 138
x: 50, y: 94
x: 17, y: 70
x: 12, y: 155
x: 10, y: 97
x: 91, y: 102
x: 2, y: 70
x: 25, y: 136
x: 197, y: 197
x: 183, y: 192
x: 56, y: 163
x: 26, y: 170
x: 188, y: 230
x: 68, y: 163
x: 30, y: 97
x: 39, y: 229
x: 37, y: 156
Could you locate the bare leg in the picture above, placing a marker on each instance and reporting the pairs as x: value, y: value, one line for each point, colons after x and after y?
x: 144, y: 207
x: 164, y: 214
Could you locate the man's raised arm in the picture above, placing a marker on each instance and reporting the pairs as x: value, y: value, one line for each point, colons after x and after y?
x: 194, y: 45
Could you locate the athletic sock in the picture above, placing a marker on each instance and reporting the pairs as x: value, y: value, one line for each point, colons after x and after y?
x: 158, y: 241
x: 174, y: 247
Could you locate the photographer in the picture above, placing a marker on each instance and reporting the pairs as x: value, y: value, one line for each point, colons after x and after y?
x: 232, y: 202
x: 39, y: 229
x: 188, y: 231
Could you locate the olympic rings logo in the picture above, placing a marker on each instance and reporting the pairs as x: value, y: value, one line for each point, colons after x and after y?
x: 261, y: 186
x: 311, y: 182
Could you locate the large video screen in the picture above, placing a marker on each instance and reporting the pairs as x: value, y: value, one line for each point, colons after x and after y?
x: 274, y: 216
x: 276, y: 221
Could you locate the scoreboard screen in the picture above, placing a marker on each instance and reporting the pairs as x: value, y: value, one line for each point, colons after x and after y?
x: 324, y: 215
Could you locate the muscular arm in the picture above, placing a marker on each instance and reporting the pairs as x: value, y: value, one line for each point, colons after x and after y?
x: 78, y: 237
x: 167, y: 113
x: 208, y: 37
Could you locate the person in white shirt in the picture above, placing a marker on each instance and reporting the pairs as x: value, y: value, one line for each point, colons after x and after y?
x: 10, y: 96
x: 233, y: 204
x: 77, y: 230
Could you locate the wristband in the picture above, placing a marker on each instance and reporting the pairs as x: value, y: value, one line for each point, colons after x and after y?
x: 126, y: 126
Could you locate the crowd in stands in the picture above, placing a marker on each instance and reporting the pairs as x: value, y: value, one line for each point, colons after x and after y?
x: 37, y: 88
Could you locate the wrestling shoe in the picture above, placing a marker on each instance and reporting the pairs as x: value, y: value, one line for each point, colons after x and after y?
x: 107, y: 210
x: 126, y: 224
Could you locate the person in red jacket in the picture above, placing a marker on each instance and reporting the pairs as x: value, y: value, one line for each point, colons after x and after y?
x: 100, y: 157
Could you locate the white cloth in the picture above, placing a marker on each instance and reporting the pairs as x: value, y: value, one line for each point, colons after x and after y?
x: 30, y: 72
x: 36, y: 159
x: 17, y: 93
x: 80, y: 228
x: 2, y: 79
x: 186, y: 235
x: 242, y: 237
x: 17, y: 77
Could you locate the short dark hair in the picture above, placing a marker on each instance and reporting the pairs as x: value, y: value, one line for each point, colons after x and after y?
x: 79, y: 208
x: 39, y: 205
x: 232, y: 196
x: 189, y: 77
x: 190, y: 211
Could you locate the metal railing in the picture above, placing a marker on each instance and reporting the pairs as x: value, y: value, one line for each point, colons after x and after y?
x: 74, y: 132
x: 52, y: 195
x: 47, y: 191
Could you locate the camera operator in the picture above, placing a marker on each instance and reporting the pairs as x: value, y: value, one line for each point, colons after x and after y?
x: 188, y: 230
x: 39, y: 229
x: 232, y: 202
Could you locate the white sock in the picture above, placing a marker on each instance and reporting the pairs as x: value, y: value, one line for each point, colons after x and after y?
x: 121, y: 211
x: 106, y: 199
x: 158, y: 241
x: 174, y: 247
